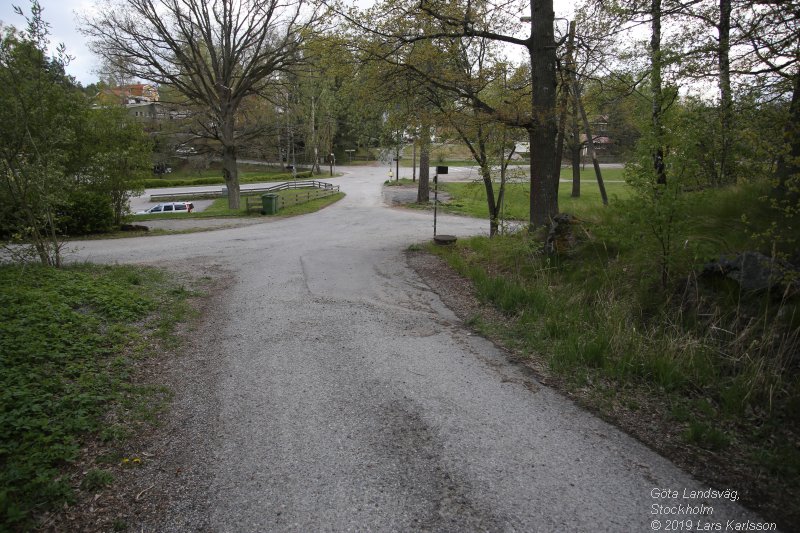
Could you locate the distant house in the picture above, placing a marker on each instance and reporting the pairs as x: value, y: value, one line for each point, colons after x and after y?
x: 602, y: 142
x: 136, y: 93
x: 141, y: 100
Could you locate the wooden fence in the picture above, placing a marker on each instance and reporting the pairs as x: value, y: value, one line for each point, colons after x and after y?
x: 292, y: 196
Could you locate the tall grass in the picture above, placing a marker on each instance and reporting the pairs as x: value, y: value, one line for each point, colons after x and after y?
x: 723, y: 362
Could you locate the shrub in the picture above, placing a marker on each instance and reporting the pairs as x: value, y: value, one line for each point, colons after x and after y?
x: 85, y: 212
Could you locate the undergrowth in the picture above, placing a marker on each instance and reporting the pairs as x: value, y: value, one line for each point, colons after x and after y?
x: 718, y: 366
x: 69, y: 339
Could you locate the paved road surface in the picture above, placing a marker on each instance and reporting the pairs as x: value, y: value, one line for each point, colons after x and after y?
x: 336, y: 393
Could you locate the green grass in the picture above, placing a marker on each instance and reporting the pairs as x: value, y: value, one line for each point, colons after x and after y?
x: 712, y: 365
x: 68, y: 342
x: 470, y: 199
x: 220, y: 207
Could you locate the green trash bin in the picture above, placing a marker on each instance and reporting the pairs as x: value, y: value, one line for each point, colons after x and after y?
x: 269, y: 204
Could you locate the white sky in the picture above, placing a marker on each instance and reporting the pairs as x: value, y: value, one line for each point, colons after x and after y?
x: 61, y: 15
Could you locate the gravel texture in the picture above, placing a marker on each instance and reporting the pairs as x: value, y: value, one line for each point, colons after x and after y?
x: 329, y: 388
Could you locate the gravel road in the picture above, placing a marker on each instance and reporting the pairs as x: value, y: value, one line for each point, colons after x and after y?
x: 329, y: 389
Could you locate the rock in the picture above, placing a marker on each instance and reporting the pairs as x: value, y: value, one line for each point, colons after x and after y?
x: 561, y: 237
x: 754, y: 271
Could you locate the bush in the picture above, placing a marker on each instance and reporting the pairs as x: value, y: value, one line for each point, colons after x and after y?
x: 85, y: 212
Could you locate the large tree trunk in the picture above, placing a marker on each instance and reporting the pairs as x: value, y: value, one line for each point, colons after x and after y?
x: 424, y: 189
x: 230, y: 171
x: 542, y: 130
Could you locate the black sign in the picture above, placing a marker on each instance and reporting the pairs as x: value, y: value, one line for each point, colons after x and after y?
x: 441, y: 170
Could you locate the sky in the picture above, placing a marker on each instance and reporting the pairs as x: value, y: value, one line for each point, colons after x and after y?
x: 61, y: 15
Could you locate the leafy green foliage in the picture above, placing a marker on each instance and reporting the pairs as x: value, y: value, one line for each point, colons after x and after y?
x: 85, y: 212
x: 38, y: 112
x: 56, y: 151
x: 63, y: 339
x: 115, y: 155
x: 600, y: 318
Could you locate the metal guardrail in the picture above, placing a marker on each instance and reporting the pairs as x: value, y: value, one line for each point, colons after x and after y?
x: 302, y: 185
x: 177, y: 196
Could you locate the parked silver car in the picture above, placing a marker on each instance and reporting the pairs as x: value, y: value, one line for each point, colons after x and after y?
x: 168, y: 207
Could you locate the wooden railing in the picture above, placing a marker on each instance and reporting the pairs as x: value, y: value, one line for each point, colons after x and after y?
x: 298, y: 196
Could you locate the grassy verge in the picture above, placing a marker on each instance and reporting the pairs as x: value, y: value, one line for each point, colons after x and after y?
x: 700, y: 370
x: 69, y: 343
x: 469, y: 198
x: 220, y: 206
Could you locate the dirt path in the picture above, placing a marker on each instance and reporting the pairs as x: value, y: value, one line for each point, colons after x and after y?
x: 328, y: 388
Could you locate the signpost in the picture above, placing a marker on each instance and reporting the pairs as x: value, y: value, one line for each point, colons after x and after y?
x: 439, y: 170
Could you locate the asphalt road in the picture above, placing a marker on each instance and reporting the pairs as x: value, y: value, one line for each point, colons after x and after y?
x: 331, y: 390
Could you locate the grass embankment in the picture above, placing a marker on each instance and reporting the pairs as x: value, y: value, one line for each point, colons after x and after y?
x: 70, y: 340
x: 700, y: 370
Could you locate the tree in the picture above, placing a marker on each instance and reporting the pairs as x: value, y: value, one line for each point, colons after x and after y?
x: 39, y: 108
x: 493, y: 21
x: 215, y: 54
x: 117, y: 156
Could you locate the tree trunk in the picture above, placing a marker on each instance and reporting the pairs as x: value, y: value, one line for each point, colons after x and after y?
x: 788, y: 167
x: 726, y: 172
x: 424, y: 190
x: 566, y: 74
x: 414, y: 161
x: 576, y: 152
x: 656, y: 91
x: 230, y: 171
x: 542, y: 130
x: 493, y: 205
x: 314, y: 138
x: 590, y: 142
